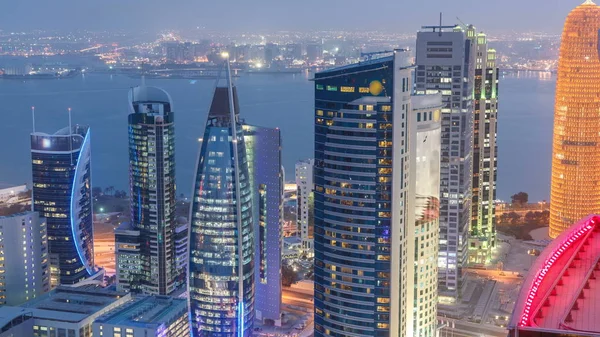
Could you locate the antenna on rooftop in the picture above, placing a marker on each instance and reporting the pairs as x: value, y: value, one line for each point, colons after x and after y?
x: 440, y: 31
x: 70, y: 137
x: 143, y: 76
x: 33, y: 117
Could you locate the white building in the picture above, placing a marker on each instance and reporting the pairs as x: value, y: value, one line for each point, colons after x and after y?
x: 304, y: 181
x: 423, y: 221
x: 445, y: 64
x: 146, y: 316
x: 24, y: 272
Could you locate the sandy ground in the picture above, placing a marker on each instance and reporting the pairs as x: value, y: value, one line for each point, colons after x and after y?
x: 540, y: 234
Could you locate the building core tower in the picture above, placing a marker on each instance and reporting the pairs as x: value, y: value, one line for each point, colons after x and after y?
x: 147, y: 251
x: 576, y: 145
x: 482, y: 234
x: 221, y: 242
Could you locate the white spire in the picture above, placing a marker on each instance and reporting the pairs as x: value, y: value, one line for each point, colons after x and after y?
x: 589, y: 2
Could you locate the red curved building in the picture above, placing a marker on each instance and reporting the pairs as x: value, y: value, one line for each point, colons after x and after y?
x: 576, y: 144
x: 561, y: 295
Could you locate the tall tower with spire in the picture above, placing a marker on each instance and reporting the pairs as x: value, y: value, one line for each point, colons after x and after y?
x: 221, y: 241
x: 576, y: 144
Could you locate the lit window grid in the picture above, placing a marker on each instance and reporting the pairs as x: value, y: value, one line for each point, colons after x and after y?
x: 576, y: 152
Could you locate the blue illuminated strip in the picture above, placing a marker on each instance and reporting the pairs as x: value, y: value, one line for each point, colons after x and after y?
x: 73, y: 228
x: 240, y: 319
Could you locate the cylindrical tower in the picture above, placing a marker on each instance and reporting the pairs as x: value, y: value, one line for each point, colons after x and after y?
x: 576, y: 151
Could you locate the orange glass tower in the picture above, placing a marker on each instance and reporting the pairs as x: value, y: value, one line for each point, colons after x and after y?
x: 575, y: 190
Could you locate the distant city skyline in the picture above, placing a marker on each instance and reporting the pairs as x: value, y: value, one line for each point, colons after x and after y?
x: 393, y: 16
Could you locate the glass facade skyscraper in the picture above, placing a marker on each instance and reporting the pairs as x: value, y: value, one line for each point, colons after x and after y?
x: 147, y: 251
x: 360, y: 176
x: 445, y: 64
x: 263, y: 149
x: 574, y: 192
x: 61, y: 174
x: 221, y: 243
x: 482, y: 235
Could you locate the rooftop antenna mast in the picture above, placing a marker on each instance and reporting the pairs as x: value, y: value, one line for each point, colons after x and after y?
x: 70, y: 138
x: 33, y: 117
x: 240, y: 305
x: 143, y: 75
x: 440, y: 30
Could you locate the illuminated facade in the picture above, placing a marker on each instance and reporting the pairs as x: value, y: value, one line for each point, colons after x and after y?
x: 263, y: 150
x: 305, y: 205
x: 150, y: 264
x: 221, y: 243
x: 560, y: 295
x: 423, y: 222
x: 24, y: 265
x: 576, y: 144
x: 360, y: 176
x: 482, y: 234
x: 445, y: 64
x: 61, y: 174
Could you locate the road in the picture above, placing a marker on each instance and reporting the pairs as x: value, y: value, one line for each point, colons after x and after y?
x: 104, y: 245
x: 467, y: 329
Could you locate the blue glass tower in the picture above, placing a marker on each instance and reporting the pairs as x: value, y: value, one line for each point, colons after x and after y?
x: 360, y: 176
x: 61, y: 174
x: 263, y: 149
x: 221, y: 244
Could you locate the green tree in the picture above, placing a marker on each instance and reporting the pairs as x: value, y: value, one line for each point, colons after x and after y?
x: 520, y: 199
x: 288, y: 275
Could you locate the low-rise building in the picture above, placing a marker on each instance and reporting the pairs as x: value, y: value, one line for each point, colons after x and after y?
x: 146, y: 316
x: 15, y: 323
x: 68, y: 311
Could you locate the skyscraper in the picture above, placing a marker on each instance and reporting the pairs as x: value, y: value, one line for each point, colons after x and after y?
x: 152, y: 268
x: 61, y: 174
x: 221, y: 244
x: 305, y: 205
x: 360, y: 175
x: 423, y: 215
x: 482, y: 235
x: 576, y: 144
x: 263, y: 149
x: 23, y: 258
x: 444, y: 61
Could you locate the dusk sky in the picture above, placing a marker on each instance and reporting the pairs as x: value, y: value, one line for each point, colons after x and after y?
x: 264, y: 15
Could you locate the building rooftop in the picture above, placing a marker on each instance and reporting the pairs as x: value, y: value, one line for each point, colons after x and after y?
x: 426, y: 101
x: 356, y: 65
x: 72, y: 304
x: 146, y: 311
x: 9, y: 314
x: 562, y: 292
x: 371, y: 100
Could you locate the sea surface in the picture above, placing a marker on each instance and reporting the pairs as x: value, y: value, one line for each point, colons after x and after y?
x: 284, y: 101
